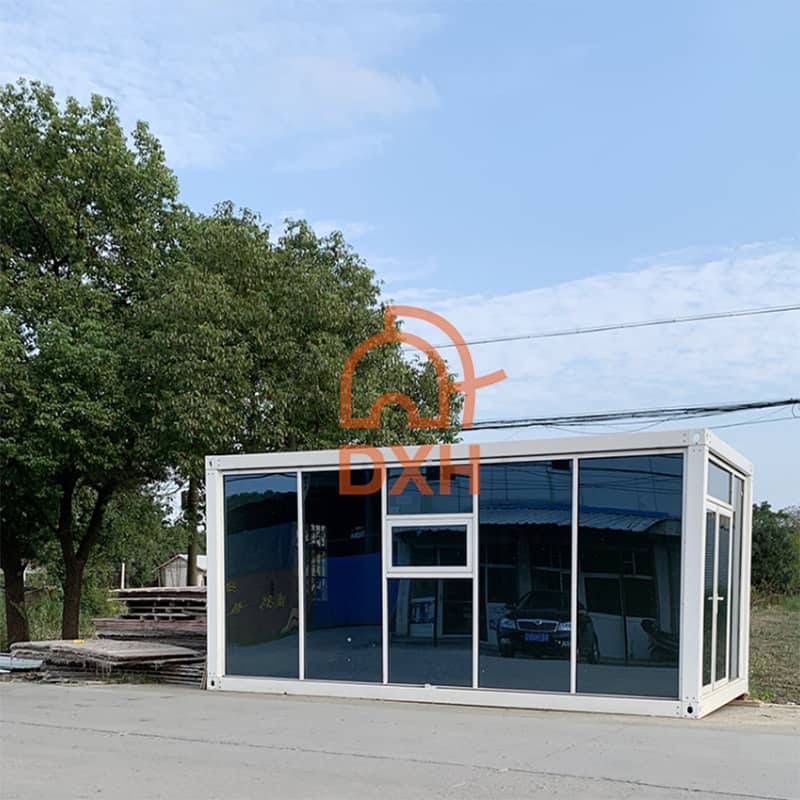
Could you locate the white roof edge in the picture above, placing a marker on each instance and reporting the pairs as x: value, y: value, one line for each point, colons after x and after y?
x: 561, y: 447
x: 722, y: 450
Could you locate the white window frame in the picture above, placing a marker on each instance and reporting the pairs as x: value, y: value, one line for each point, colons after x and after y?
x: 424, y: 521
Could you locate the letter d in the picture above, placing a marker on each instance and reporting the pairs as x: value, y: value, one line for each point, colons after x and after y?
x: 346, y: 485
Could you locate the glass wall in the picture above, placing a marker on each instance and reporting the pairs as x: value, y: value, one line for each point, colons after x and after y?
x: 629, y: 574
x: 493, y: 592
x: 261, y: 581
x: 412, y: 498
x: 525, y: 519
x: 430, y: 631
x: 342, y: 535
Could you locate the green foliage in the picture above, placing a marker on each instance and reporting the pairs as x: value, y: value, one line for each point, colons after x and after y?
x: 136, y: 532
x: 776, y: 550
x: 137, y: 337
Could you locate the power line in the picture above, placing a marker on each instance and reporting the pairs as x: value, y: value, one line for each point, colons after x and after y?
x: 661, y: 414
x: 619, y: 326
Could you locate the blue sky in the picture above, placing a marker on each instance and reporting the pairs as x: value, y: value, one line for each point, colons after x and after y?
x: 519, y: 166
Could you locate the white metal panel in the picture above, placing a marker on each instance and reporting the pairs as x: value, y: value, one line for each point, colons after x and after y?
x: 582, y: 446
x: 215, y: 584
x: 494, y: 698
x: 747, y: 552
x: 719, y: 697
x: 692, y: 542
x: 728, y: 454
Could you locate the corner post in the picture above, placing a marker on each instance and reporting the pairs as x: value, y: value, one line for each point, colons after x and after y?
x: 692, y: 549
x: 215, y: 579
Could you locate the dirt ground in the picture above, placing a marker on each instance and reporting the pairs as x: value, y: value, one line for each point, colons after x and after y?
x: 775, y: 651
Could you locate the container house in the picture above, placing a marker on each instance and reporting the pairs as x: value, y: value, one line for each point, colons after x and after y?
x: 601, y: 573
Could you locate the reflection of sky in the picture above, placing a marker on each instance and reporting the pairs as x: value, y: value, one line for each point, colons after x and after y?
x: 243, y: 484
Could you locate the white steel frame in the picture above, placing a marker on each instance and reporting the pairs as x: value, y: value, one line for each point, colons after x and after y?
x: 697, y: 446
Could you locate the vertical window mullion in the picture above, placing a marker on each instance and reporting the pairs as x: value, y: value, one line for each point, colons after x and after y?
x: 301, y: 599
x: 573, y: 637
x: 386, y: 555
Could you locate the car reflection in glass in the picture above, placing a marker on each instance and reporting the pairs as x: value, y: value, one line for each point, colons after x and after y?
x: 538, y: 624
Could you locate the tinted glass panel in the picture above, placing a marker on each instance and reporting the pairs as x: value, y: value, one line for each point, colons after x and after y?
x: 719, y: 482
x: 261, y: 593
x: 412, y: 500
x: 524, y: 544
x: 736, y: 575
x: 708, y: 594
x: 629, y: 575
x: 429, y: 545
x: 430, y: 631
x: 723, y: 586
x: 343, y: 579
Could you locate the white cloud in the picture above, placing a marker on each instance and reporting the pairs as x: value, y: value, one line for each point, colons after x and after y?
x: 725, y: 360
x: 217, y: 81
x: 720, y: 360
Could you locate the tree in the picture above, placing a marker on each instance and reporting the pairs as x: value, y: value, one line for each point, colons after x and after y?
x: 86, y: 222
x: 138, y: 337
x: 776, y: 550
x: 280, y: 319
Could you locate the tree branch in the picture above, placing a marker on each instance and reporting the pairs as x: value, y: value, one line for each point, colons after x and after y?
x: 89, y: 539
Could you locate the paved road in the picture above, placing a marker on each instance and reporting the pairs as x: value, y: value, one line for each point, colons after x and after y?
x: 158, y: 742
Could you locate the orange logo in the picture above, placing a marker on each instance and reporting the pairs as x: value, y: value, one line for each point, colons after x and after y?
x: 390, y: 333
x: 445, y: 387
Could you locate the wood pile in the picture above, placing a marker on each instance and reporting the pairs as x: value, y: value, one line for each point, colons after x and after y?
x: 161, y: 635
x: 167, y: 615
x: 105, y: 657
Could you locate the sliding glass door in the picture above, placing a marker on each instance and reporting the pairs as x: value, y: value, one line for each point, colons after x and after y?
x: 716, y: 598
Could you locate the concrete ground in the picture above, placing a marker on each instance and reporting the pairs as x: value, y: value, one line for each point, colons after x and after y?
x: 148, y: 741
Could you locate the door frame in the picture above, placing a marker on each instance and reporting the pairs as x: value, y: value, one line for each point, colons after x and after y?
x: 466, y: 572
x: 719, y: 509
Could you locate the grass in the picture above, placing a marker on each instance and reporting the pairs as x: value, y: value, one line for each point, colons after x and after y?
x: 775, y: 649
x: 44, y: 612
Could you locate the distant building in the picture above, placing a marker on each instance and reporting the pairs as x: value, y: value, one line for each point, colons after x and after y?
x: 173, y: 572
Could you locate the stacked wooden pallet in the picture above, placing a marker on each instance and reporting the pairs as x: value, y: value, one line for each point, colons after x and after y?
x: 168, y: 615
x: 105, y: 657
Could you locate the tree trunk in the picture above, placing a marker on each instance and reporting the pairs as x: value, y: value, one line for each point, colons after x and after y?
x: 73, y: 584
x: 75, y: 560
x: 14, y: 571
x: 192, y: 519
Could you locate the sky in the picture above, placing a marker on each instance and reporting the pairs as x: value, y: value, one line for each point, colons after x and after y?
x: 517, y: 166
